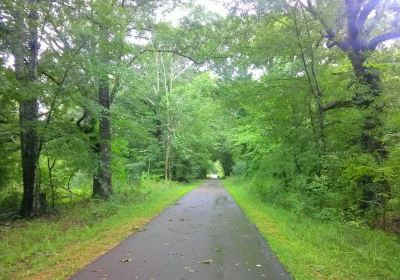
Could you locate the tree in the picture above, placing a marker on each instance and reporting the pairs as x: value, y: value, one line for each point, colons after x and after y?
x: 286, y: 130
x: 367, y: 25
x: 24, y: 44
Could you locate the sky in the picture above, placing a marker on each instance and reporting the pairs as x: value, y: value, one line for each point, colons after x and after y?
x: 216, y: 6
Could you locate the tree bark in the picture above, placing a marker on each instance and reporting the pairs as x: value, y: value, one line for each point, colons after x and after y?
x: 29, y: 156
x: 95, y: 179
x: 369, y: 88
x: 167, y: 89
x: 317, y: 118
x: 104, y: 188
x: 26, y: 75
x: 167, y: 166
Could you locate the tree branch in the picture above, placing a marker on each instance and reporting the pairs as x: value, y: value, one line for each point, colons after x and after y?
x: 50, y: 77
x: 194, y: 60
x: 374, y: 42
x: 114, y: 90
x: 77, y: 9
x: 338, y: 104
x: 332, y: 123
x: 84, y: 115
x: 352, y: 10
x: 366, y: 11
x: 330, y: 32
x: 179, y: 54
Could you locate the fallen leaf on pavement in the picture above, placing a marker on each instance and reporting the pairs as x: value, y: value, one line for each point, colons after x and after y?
x: 191, y: 270
x: 139, y: 229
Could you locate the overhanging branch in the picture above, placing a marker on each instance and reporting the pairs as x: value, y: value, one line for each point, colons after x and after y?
x: 177, y: 52
x: 374, y: 42
x: 338, y: 104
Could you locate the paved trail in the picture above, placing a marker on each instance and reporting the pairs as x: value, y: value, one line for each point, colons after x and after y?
x: 204, y: 236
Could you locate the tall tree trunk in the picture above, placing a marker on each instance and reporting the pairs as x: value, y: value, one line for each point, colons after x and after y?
x: 167, y: 167
x: 167, y: 148
x: 167, y: 174
x: 368, y: 89
x: 28, y: 112
x: 28, y: 108
x: 105, y: 174
x: 96, y: 174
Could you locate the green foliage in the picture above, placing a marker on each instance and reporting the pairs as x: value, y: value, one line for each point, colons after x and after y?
x: 219, y: 169
x: 275, y: 92
x: 293, y: 150
x: 315, y: 249
x: 260, y: 91
x: 29, y: 247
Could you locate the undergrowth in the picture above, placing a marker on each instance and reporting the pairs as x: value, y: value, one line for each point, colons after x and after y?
x: 58, y: 244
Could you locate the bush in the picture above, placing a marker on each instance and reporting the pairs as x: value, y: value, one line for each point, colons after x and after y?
x: 239, y: 168
x: 10, y: 201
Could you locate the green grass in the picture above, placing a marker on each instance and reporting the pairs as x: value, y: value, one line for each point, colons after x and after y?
x: 311, y: 249
x: 58, y: 245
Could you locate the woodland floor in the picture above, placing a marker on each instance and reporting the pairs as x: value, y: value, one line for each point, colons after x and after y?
x: 203, y: 236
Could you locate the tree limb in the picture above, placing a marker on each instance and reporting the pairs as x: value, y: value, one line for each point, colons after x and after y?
x: 330, y: 32
x: 50, y: 77
x: 181, y: 54
x: 352, y: 10
x: 177, y: 52
x: 374, y: 42
x: 338, y: 104
x: 115, y: 89
x: 84, y: 115
x: 332, y: 123
x: 366, y: 11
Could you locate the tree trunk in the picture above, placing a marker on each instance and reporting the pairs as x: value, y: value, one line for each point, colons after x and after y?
x: 105, y: 174
x: 317, y: 118
x: 167, y: 149
x: 167, y: 172
x: 26, y: 75
x: 95, y: 179
x: 51, y: 184
x: 28, y: 112
x: 368, y: 89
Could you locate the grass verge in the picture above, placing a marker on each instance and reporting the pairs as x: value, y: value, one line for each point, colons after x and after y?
x: 312, y: 249
x: 57, y: 246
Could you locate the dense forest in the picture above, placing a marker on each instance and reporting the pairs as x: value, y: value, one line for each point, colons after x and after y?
x: 299, y: 97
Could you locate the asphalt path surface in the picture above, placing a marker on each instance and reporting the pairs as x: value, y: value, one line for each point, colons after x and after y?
x: 203, y: 236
